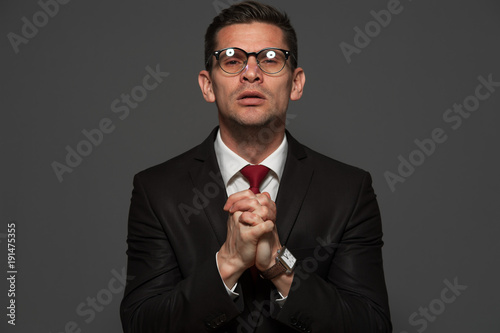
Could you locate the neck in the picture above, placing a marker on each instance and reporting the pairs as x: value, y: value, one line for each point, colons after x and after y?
x: 253, y: 144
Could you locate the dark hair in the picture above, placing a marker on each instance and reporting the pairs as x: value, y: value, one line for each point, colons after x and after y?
x: 248, y: 12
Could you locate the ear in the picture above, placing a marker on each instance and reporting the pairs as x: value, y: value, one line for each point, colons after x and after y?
x: 298, y: 82
x: 205, y: 83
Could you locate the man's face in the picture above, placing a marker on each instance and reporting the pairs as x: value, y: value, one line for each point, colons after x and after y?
x: 251, y: 97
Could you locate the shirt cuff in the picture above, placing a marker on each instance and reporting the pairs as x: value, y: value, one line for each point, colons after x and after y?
x: 280, y: 301
x: 231, y: 292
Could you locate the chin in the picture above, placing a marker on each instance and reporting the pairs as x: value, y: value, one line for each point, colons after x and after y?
x: 254, y: 124
x: 254, y: 119
x: 255, y: 115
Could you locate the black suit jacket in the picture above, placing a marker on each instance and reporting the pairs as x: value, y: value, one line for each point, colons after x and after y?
x: 327, y: 215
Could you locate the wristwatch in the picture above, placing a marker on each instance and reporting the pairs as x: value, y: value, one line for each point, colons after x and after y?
x: 285, y: 263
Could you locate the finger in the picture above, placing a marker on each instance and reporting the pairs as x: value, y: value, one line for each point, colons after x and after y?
x: 266, y: 194
x: 250, y: 219
x: 255, y: 233
x: 265, y: 200
x: 233, y: 219
x: 236, y: 197
x: 262, y: 228
x: 268, y: 205
x: 253, y: 206
x: 265, y: 197
x: 247, y: 204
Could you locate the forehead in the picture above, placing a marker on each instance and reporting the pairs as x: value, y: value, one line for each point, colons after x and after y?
x: 251, y: 37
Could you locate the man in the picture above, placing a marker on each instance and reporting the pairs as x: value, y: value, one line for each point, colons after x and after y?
x: 206, y: 227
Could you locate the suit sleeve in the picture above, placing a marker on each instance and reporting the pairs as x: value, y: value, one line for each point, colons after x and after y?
x: 157, y: 297
x: 353, y: 297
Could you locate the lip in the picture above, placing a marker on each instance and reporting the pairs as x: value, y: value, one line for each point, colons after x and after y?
x: 251, y: 101
x: 251, y: 98
x: 251, y: 94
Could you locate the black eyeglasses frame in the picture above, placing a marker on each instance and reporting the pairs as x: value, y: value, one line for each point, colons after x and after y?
x: 217, y: 53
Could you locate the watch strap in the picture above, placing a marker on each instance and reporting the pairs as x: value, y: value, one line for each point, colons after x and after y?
x: 273, y: 271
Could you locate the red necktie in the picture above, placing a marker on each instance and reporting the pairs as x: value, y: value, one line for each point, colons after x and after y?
x: 255, y: 175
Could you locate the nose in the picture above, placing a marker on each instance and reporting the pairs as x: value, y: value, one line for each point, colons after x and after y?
x: 252, y: 71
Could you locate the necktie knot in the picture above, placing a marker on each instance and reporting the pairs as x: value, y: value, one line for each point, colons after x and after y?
x: 255, y: 175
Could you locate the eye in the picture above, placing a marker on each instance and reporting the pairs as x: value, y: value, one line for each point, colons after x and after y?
x: 269, y: 61
x: 232, y: 62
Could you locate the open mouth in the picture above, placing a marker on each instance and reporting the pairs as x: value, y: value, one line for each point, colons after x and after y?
x: 251, y: 94
x: 251, y: 98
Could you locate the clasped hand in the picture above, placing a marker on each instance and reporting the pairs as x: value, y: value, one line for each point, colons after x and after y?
x: 252, y: 237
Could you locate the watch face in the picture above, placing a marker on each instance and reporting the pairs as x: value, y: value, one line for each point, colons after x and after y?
x: 288, y: 258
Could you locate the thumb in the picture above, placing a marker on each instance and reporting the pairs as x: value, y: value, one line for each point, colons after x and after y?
x: 267, y: 194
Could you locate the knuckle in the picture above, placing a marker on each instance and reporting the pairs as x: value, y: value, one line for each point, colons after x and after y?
x: 265, y: 212
x: 247, y: 217
x: 254, y: 202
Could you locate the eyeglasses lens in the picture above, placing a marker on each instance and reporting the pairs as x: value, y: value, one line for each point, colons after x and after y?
x: 270, y: 61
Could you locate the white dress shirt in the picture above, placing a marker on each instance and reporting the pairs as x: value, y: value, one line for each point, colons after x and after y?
x: 230, y: 165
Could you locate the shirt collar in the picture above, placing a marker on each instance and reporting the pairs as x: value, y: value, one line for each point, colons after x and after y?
x: 231, y: 163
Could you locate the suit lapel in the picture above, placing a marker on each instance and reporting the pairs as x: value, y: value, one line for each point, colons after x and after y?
x: 209, y: 187
x: 294, y: 184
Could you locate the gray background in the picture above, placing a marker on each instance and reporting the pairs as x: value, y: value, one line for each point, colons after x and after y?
x: 440, y: 224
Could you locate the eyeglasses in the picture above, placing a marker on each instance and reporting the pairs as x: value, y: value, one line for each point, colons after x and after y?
x: 233, y: 60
